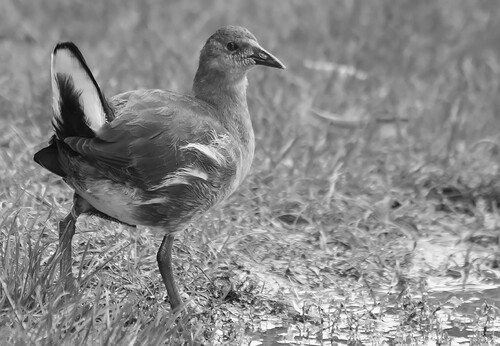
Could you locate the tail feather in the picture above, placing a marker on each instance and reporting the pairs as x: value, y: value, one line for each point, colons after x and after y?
x: 49, y: 159
x: 79, y: 107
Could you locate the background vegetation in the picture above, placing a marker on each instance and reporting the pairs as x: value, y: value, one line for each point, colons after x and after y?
x: 371, y: 212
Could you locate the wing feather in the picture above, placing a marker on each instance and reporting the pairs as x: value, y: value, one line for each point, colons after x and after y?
x: 153, y: 136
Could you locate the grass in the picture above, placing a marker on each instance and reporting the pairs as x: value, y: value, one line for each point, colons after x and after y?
x: 372, y: 224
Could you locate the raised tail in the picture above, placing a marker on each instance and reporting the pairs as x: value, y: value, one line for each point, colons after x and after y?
x: 79, y: 107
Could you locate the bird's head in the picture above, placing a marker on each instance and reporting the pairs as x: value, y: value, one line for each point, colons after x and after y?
x: 233, y: 50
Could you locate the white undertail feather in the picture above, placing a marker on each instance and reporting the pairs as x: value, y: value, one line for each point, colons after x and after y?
x: 64, y: 62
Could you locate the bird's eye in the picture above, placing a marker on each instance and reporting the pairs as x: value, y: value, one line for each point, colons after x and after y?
x: 231, y: 46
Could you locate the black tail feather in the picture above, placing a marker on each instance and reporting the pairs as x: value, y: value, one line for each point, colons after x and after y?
x: 72, y: 120
x: 71, y: 47
x: 48, y: 158
x: 79, y: 108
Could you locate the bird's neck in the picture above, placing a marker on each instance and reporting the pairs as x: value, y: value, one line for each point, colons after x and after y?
x: 229, y: 97
x: 220, y: 89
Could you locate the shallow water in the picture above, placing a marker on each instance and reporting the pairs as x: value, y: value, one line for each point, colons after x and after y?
x: 450, y: 311
x: 461, y: 316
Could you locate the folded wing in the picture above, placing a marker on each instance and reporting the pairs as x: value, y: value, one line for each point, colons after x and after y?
x: 159, y: 138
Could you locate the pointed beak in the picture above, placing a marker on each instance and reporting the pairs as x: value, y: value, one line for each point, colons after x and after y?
x: 263, y: 57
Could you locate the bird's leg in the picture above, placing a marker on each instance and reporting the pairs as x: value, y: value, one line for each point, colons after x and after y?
x: 164, y: 258
x: 66, y: 233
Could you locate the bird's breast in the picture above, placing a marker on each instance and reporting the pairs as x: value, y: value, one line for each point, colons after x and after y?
x: 244, y: 156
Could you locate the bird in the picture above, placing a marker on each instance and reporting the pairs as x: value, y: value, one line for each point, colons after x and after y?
x: 152, y: 157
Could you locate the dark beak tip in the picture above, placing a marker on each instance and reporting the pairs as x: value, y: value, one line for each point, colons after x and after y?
x: 263, y: 57
x: 278, y: 65
x: 275, y: 64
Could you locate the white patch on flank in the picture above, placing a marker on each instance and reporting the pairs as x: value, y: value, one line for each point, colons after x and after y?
x: 158, y: 200
x: 181, y: 177
x: 64, y: 62
x: 210, y: 152
x: 195, y: 172
x: 170, y: 180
